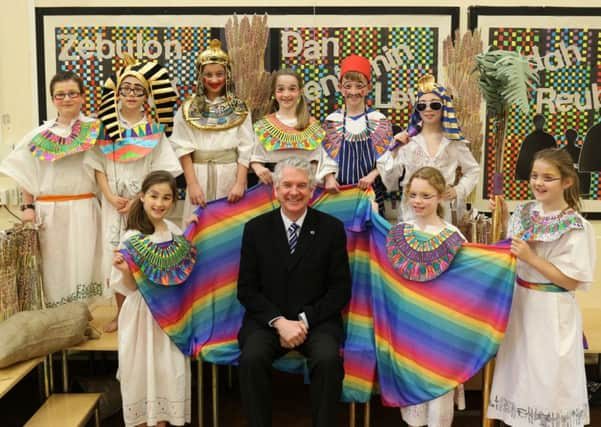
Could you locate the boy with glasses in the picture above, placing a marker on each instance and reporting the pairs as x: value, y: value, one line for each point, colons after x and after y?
x: 58, y: 194
x: 356, y: 136
x: 432, y: 139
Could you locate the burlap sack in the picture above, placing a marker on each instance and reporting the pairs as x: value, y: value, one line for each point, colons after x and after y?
x: 29, y: 334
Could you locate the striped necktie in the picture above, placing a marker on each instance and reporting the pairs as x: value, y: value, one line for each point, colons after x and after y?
x: 293, y: 236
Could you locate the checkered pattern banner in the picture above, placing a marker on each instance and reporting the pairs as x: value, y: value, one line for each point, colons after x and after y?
x: 568, y: 96
x: 94, y: 53
x: 399, y: 56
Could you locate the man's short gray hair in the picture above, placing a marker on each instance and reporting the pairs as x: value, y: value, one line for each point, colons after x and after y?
x: 296, y: 163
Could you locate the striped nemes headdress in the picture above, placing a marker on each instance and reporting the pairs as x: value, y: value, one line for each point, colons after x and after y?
x: 450, y: 125
x: 154, y: 78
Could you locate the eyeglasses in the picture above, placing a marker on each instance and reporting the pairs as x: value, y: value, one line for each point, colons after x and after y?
x: 546, y: 179
x: 137, y: 91
x: 59, y: 96
x: 434, y: 105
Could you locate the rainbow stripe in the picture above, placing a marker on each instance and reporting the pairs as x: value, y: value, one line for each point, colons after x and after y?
x: 541, y: 287
x: 413, y: 341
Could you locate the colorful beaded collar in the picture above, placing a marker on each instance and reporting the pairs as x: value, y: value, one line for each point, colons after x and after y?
x: 534, y: 227
x: 215, y: 117
x: 134, y: 144
x: 49, y: 146
x: 378, y: 132
x: 275, y: 135
x: 420, y: 256
x: 166, y: 263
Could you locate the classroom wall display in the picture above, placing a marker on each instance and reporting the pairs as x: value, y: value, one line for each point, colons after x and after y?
x: 565, y: 47
x: 401, y: 42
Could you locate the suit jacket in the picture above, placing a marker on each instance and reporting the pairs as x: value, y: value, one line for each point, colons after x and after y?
x: 315, y: 279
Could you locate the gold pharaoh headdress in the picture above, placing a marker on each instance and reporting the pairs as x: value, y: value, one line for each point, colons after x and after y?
x: 213, y: 55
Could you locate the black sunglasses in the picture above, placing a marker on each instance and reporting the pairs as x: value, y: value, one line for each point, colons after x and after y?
x: 434, y: 105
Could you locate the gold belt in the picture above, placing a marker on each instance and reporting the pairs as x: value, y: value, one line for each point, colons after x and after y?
x: 219, y: 157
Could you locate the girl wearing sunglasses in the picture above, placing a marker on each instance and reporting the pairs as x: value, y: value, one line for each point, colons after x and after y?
x: 433, y: 139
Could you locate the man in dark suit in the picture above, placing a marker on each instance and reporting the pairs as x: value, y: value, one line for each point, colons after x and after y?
x: 294, y: 281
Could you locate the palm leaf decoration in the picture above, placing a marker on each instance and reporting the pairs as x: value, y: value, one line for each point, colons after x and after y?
x: 505, y: 79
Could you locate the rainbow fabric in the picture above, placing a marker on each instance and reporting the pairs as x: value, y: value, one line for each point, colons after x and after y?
x: 134, y: 144
x: 203, y: 316
x: 432, y: 336
x: 416, y: 340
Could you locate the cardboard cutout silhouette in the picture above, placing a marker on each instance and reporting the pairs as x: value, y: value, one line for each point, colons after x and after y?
x: 533, y: 143
x: 574, y: 149
x: 590, y: 155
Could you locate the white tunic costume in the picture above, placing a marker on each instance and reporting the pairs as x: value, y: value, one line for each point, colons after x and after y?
x: 437, y: 412
x: 414, y: 155
x: 154, y: 374
x: 125, y: 180
x: 226, y: 148
x: 70, y: 229
x: 539, y: 377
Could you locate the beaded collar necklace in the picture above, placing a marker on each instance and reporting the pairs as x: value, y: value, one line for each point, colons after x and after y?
x: 536, y: 227
x: 222, y: 115
x: 420, y: 256
x: 377, y: 133
x: 275, y: 135
x: 361, y: 136
x: 166, y: 263
x: 134, y: 144
x: 49, y: 146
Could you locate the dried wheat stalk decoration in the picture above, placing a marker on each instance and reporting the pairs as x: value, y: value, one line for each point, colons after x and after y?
x: 246, y: 43
x: 29, y: 269
x: 20, y: 270
x: 9, y: 296
x: 459, y: 67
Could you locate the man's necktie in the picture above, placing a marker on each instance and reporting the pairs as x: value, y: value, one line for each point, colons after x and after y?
x: 293, y: 236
